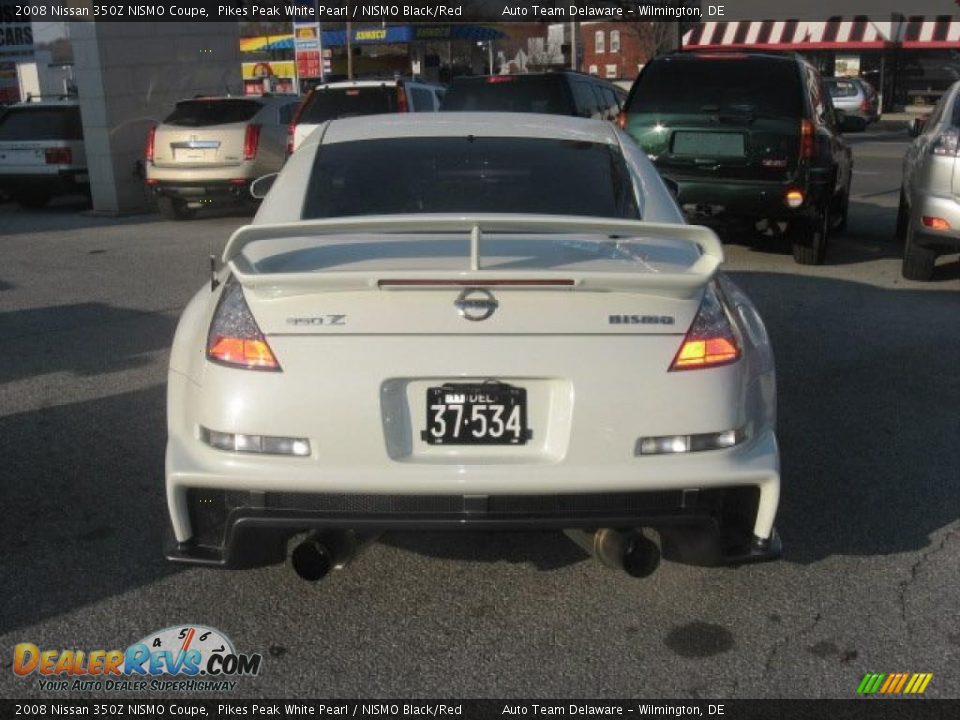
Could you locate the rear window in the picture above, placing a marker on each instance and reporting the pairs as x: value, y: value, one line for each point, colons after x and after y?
x: 509, y: 93
x: 469, y: 175
x: 200, y: 113
x: 41, y: 123
x: 841, y: 88
x: 691, y: 86
x: 327, y: 103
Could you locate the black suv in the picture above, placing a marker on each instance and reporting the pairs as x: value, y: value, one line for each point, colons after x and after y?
x: 748, y: 137
x: 563, y: 92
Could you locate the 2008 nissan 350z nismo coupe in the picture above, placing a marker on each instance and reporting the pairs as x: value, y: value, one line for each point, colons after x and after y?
x: 479, y: 321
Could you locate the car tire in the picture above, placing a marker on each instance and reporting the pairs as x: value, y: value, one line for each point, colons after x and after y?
x: 173, y: 209
x: 903, y: 218
x: 809, y: 239
x: 33, y: 200
x: 918, y: 261
x: 843, y: 211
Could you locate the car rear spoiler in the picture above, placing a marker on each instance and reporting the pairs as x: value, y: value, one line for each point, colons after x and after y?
x: 541, y: 227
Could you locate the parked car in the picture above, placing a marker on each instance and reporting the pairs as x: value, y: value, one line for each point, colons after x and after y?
x: 928, y: 219
x: 209, y: 150
x: 856, y: 98
x: 749, y: 138
x: 562, y: 92
x: 516, y: 329
x: 354, y: 98
x: 41, y: 151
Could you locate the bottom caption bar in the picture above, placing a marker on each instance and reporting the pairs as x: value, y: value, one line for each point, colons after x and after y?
x: 905, y: 709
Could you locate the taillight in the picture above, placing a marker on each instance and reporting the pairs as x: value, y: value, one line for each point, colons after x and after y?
x: 292, y: 127
x: 622, y: 120
x: 711, y: 340
x: 806, y: 140
x: 946, y: 143
x: 865, y: 106
x: 402, y: 105
x: 251, y: 140
x: 499, y: 79
x: 235, y: 338
x: 151, y: 139
x: 58, y: 156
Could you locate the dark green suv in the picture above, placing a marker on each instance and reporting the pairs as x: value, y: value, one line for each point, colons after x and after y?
x: 750, y: 139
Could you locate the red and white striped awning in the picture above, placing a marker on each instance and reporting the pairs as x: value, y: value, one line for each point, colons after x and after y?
x: 942, y: 31
x: 833, y: 34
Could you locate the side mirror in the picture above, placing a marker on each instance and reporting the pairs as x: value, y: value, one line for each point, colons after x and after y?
x: 915, y: 127
x: 261, y: 186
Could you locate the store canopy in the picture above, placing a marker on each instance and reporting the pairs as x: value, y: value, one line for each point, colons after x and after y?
x: 942, y: 31
x: 834, y: 34
x: 373, y: 36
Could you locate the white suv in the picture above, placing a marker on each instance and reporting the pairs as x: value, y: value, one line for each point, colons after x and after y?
x: 361, y: 97
x: 41, y: 152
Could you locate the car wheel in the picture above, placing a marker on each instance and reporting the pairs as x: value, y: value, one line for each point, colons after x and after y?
x: 809, y: 239
x: 33, y: 201
x: 903, y: 218
x: 918, y: 261
x: 173, y: 209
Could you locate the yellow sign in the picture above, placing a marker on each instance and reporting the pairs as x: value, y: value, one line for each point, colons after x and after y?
x: 276, y: 68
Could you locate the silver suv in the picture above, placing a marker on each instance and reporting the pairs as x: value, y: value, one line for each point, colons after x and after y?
x: 41, y: 151
x: 928, y: 220
x: 210, y: 149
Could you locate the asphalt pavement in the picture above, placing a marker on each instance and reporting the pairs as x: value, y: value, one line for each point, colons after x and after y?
x: 870, y: 515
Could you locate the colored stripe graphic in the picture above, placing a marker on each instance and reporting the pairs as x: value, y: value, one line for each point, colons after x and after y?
x: 894, y: 683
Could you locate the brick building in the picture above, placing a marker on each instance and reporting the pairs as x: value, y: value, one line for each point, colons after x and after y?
x: 614, y: 50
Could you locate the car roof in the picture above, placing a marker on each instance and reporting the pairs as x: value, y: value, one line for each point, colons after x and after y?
x: 458, y: 124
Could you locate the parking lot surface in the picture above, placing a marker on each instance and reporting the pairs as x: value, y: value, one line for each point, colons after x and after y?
x: 870, y: 515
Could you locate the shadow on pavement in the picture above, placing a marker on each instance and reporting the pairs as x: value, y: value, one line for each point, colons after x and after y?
x: 85, y: 339
x: 84, y: 505
x: 868, y: 422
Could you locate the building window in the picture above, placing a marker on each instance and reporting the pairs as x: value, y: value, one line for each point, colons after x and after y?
x: 598, y: 42
x: 611, y: 71
x: 593, y: 70
x: 614, y: 41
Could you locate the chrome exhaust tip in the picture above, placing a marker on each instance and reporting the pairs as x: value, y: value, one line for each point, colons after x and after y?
x: 320, y: 553
x: 627, y: 550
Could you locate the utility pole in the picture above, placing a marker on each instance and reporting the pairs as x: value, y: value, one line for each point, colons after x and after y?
x: 573, y: 44
x: 349, y: 49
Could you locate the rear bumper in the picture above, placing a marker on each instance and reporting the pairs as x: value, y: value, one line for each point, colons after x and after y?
x: 726, y: 200
x: 59, y: 182
x: 946, y: 207
x: 236, y: 189
x: 718, y: 509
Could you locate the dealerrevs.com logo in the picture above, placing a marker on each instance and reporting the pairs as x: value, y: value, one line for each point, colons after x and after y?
x: 179, y: 658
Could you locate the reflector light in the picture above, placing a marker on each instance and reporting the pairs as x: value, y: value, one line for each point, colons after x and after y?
x: 261, y: 444
x: 675, y: 444
x: 806, y: 140
x: 622, y: 120
x: 234, y: 338
x: 793, y: 198
x: 936, y: 223
x: 251, y: 141
x: 711, y: 340
x: 58, y: 156
x: 151, y: 139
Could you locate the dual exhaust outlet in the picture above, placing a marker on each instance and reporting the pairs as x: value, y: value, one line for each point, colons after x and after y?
x: 316, y: 556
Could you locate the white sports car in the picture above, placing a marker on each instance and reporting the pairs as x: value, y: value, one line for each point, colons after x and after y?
x: 482, y: 321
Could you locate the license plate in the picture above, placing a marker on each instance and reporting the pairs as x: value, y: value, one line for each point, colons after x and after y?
x: 191, y: 155
x: 476, y: 414
x: 708, y: 144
